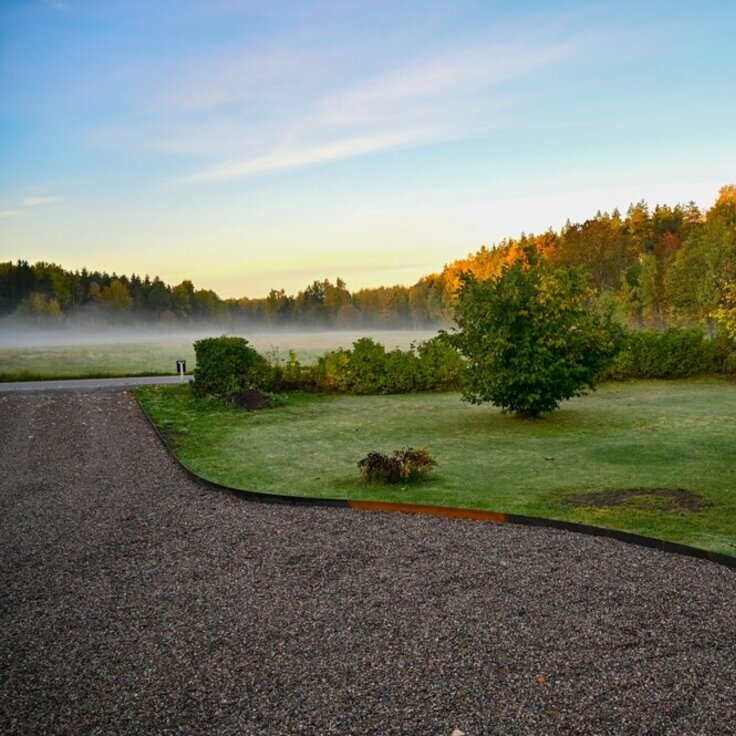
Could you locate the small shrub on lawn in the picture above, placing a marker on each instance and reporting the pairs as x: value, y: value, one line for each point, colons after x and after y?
x: 228, y: 365
x: 415, y: 464
x: 402, y: 466
x: 377, y: 467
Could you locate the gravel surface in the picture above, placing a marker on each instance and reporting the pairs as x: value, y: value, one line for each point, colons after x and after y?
x: 132, y: 600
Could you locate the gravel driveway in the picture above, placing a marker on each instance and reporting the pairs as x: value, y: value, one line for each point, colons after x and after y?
x: 135, y: 601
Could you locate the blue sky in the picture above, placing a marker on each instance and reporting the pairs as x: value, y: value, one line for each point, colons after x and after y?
x: 248, y: 144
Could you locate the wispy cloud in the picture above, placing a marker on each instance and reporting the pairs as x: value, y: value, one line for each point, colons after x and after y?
x: 303, y: 96
x: 58, y: 5
x: 234, y: 77
x: 454, y: 74
x: 446, y: 97
x: 305, y: 156
x: 28, y: 203
x: 38, y: 201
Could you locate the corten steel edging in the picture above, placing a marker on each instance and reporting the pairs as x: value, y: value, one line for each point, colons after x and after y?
x: 450, y: 512
x: 495, y: 517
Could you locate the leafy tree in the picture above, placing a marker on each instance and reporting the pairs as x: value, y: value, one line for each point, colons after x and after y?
x: 530, y: 338
x: 348, y: 315
x: 427, y: 301
x: 726, y: 313
x: 17, y: 282
x: 207, y: 305
x: 600, y: 246
x: 336, y: 297
x: 116, y: 297
x: 181, y: 298
x: 650, y: 288
x: 309, y: 305
x: 277, y: 306
x: 51, y: 280
x: 705, y: 263
x: 39, y: 305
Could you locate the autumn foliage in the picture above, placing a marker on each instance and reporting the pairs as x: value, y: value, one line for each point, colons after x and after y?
x: 657, y: 267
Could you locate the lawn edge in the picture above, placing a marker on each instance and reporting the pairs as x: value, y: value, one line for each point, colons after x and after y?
x: 20, y: 377
x: 467, y: 514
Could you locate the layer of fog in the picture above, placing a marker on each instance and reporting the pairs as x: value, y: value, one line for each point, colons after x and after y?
x: 14, y: 334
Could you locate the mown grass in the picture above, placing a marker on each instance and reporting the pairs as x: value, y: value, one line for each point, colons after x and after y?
x: 644, y: 434
x: 92, y: 361
x: 158, y: 355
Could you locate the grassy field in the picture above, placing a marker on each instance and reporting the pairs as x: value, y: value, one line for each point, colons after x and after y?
x: 156, y: 354
x: 649, y: 436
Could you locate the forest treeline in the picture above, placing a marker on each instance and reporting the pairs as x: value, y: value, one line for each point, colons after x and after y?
x: 653, y: 266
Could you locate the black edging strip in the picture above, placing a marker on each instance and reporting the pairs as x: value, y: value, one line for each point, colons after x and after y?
x: 242, y: 493
x: 629, y: 537
x: 530, y: 521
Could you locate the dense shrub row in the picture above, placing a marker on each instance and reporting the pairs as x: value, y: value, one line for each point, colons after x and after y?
x: 677, y: 352
x: 230, y: 365
x: 370, y: 369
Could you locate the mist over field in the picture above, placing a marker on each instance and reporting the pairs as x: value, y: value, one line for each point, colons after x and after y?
x: 17, y: 334
x: 28, y: 352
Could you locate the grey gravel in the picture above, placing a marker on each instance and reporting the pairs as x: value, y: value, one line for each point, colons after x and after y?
x: 134, y: 600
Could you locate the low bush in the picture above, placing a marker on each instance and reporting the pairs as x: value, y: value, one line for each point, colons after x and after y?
x: 331, y: 373
x: 228, y: 365
x: 402, y: 466
x: 377, y: 467
x: 724, y: 349
x: 367, y: 368
x: 290, y: 375
x: 441, y: 367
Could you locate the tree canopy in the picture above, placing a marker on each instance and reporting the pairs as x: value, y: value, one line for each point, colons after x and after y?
x: 660, y: 266
x: 530, y: 337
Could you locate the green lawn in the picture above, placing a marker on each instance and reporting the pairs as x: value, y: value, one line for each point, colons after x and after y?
x: 644, y: 434
x: 96, y: 360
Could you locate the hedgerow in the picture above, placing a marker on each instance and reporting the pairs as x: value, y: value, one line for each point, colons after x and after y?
x: 369, y: 368
x: 677, y: 352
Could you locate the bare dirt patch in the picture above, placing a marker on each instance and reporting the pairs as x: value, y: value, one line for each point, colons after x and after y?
x: 252, y: 400
x: 660, y: 499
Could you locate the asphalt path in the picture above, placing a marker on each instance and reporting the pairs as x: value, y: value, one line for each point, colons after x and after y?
x: 88, y: 385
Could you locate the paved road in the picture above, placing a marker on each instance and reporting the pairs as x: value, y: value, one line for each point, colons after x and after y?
x: 85, y: 385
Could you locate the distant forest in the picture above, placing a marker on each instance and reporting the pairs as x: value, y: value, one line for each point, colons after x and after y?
x: 654, y: 267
